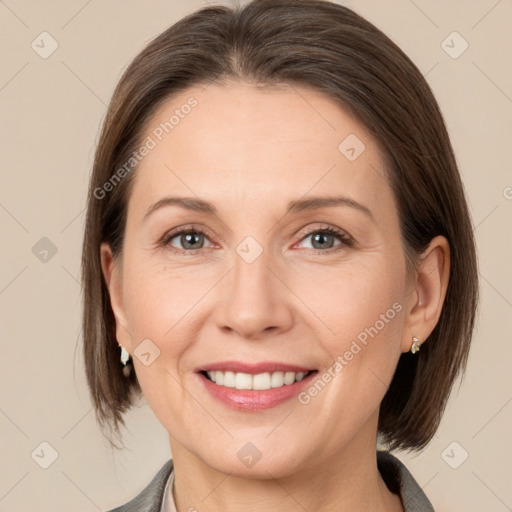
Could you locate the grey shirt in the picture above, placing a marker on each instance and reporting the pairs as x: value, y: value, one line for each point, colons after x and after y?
x: 397, y: 477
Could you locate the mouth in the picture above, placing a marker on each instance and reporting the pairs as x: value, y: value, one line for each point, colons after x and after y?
x: 254, y: 387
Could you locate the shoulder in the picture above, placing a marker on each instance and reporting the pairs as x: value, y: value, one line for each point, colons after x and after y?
x: 150, y: 498
x: 400, y: 481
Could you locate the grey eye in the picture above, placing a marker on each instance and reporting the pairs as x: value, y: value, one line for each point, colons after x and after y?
x: 188, y: 240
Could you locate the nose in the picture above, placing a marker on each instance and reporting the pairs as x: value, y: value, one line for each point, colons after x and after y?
x: 255, y: 302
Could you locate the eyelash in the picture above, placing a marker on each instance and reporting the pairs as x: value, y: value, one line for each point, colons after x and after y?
x: 345, y: 239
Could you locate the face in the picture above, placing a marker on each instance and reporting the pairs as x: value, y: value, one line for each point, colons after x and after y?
x: 272, y: 263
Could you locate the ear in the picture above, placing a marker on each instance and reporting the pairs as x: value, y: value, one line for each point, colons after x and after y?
x: 429, y: 287
x: 112, y: 271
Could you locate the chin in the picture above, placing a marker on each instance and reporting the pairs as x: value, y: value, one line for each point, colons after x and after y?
x: 253, y: 460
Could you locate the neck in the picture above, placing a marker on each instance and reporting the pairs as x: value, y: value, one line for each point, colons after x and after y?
x: 346, y: 481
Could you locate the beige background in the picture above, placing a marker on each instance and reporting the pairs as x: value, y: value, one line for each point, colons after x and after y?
x: 51, y: 112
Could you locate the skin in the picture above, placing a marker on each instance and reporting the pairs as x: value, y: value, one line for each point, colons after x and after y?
x: 249, y: 151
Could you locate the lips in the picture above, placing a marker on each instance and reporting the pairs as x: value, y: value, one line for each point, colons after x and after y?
x: 253, y: 387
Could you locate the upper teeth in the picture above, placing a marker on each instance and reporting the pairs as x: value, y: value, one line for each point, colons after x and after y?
x: 260, y: 381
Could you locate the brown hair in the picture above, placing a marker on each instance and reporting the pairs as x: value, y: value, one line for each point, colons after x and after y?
x: 333, y: 50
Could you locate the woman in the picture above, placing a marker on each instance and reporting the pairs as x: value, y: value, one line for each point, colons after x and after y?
x: 236, y: 144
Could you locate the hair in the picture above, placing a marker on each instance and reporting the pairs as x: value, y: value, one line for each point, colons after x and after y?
x: 330, y: 48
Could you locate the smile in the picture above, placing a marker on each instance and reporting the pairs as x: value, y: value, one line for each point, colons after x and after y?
x: 253, y: 387
x: 258, y: 382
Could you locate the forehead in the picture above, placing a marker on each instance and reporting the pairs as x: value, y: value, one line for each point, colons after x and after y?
x: 241, y: 142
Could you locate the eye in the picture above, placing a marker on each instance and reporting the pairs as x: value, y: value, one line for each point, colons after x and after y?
x: 186, y: 240
x: 326, y: 238
x: 191, y: 239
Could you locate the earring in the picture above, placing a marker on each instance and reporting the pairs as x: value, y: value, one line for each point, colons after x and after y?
x: 415, y: 345
x: 125, y: 357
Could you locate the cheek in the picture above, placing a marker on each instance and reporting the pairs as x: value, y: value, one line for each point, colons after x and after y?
x: 162, y: 305
x: 352, y: 298
x: 359, y: 309
x: 159, y: 307
x: 158, y: 298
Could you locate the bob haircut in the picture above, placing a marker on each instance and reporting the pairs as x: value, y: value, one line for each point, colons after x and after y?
x: 327, y: 47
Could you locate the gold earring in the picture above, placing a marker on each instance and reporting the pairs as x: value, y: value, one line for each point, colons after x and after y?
x: 415, y: 345
x: 125, y: 357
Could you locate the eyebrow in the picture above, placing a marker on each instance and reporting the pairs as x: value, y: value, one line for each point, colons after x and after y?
x: 296, y: 206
